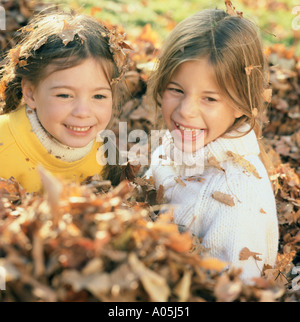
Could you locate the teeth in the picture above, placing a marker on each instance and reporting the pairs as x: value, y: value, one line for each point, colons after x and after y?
x: 182, y: 128
x: 78, y: 129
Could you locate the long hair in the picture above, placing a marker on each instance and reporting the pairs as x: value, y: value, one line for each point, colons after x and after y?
x: 233, y: 47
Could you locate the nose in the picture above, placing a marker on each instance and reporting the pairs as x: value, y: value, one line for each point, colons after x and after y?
x: 189, y: 107
x: 81, y: 108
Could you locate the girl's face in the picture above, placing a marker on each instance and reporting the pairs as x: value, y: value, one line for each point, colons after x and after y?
x: 193, y: 108
x: 73, y: 104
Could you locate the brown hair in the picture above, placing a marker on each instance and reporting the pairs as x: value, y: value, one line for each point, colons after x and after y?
x: 233, y: 47
x: 64, y: 40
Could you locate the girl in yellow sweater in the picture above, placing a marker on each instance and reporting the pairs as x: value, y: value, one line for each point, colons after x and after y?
x: 59, y: 88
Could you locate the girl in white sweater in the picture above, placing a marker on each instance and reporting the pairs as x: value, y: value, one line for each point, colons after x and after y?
x: 210, y: 85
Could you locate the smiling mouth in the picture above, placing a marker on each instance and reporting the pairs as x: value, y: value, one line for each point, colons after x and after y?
x: 188, y: 130
x: 78, y: 128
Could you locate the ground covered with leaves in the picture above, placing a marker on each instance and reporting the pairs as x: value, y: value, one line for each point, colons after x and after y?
x: 96, y: 242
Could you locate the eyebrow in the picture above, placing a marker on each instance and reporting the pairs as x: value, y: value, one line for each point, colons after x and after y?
x: 205, y: 92
x: 72, y: 88
x: 211, y: 92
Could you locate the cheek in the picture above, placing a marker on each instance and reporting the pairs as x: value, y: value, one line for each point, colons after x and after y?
x: 104, y: 114
x: 168, y: 105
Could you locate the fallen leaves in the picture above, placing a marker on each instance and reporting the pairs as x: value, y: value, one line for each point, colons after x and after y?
x: 103, y: 246
x: 245, y: 253
x: 248, y: 166
x: 223, y: 198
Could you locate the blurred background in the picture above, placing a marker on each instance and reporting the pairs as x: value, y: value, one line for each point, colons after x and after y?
x: 275, y: 18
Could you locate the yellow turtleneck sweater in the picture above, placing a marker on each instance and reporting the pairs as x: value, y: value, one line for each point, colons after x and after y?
x: 21, y: 152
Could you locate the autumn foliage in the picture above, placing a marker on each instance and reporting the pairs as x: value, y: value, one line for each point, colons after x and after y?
x: 98, y: 242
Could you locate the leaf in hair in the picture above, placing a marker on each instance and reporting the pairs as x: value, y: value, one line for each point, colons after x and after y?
x: 68, y: 33
x: 14, y: 54
x: 248, y: 70
x: 255, y: 112
x: 230, y: 9
x: 3, y: 85
x: 40, y: 43
x: 267, y: 94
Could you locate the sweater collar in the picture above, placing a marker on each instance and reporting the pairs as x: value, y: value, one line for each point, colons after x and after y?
x: 190, y: 164
x: 57, y: 149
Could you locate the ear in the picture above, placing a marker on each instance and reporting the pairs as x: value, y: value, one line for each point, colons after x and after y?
x: 237, y: 113
x: 28, y: 93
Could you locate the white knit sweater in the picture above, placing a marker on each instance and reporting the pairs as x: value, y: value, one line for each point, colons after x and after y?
x: 226, y: 229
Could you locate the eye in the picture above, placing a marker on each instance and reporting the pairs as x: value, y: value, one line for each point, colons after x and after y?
x: 63, y: 95
x: 210, y: 99
x: 99, y: 97
x: 175, y: 90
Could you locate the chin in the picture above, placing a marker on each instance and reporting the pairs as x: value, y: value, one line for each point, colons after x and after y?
x: 187, y: 148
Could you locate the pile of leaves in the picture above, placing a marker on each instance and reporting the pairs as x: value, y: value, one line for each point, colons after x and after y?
x: 95, y: 242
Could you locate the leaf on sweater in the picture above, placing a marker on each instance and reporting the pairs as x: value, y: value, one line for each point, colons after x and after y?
x: 262, y: 211
x: 245, y: 253
x: 214, y: 163
x: 195, y: 178
x: 244, y: 163
x: 160, y: 194
x: 163, y: 157
x: 178, y: 180
x: 223, y: 198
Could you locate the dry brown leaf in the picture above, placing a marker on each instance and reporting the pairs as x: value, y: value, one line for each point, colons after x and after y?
x: 223, y: 198
x: 178, y: 180
x: 248, y: 70
x: 244, y: 163
x: 14, y: 54
x: 160, y: 194
x: 267, y: 95
x: 228, y: 290
x: 182, y: 289
x: 214, y: 163
x: 68, y: 33
x: 245, y: 253
x: 155, y: 285
x: 213, y: 264
x: 230, y: 9
x: 195, y: 178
